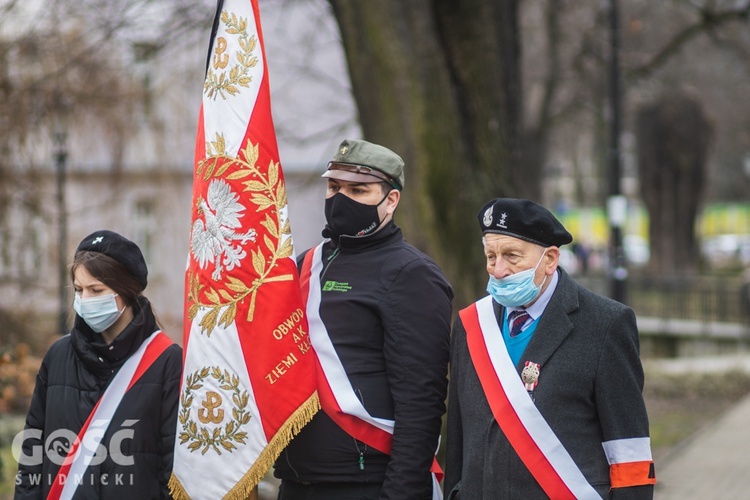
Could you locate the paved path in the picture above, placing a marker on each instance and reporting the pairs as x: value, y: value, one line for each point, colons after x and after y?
x: 715, y: 463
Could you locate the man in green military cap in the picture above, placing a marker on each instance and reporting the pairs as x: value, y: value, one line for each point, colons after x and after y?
x: 379, y: 314
x: 364, y: 187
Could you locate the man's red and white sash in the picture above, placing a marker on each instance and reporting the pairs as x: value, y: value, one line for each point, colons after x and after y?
x: 90, y: 436
x: 519, y: 418
x: 337, y: 397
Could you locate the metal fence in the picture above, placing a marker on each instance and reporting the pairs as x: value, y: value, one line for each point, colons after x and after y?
x: 704, y: 299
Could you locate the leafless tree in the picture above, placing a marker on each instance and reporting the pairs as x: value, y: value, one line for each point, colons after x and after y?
x: 673, y: 142
x: 439, y: 82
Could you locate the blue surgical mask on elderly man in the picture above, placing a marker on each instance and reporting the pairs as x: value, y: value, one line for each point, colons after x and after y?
x: 98, y: 312
x: 517, y: 289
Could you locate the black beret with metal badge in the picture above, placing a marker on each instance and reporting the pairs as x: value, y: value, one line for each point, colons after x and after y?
x: 523, y: 219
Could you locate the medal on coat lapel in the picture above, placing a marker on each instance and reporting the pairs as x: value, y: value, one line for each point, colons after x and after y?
x: 530, y: 375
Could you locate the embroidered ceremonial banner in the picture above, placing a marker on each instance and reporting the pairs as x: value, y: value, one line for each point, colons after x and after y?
x: 249, y: 371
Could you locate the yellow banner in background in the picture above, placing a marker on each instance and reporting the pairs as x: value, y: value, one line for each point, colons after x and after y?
x: 589, y: 225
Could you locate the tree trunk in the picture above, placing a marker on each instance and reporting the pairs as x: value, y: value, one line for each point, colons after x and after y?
x: 673, y: 138
x: 438, y: 82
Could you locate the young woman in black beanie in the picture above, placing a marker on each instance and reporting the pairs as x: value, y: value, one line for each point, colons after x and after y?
x: 103, y: 415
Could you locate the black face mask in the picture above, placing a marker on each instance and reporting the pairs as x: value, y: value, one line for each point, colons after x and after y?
x: 346, y: 217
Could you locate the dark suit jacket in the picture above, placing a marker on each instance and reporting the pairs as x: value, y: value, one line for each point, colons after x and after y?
x: 589, y: 391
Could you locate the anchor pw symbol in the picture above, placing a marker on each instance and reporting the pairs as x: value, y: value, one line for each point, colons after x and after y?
x: 206, y: 414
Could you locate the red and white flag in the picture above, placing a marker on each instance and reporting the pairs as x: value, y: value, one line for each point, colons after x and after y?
x: 248, y: 381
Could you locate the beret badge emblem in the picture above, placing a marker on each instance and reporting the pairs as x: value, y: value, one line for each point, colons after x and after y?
x: 487, y: 217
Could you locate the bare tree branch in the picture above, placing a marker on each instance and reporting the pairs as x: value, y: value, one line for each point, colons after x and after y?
x: 708, y: 19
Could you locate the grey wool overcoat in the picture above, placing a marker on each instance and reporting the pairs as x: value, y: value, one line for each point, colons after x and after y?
x: 589, y: 392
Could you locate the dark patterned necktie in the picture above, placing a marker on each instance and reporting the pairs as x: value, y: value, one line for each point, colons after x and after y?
x: 516, y: 320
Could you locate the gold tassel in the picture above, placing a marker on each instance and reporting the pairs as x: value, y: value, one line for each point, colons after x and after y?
x: 176, y: 489
x: 271, y: 452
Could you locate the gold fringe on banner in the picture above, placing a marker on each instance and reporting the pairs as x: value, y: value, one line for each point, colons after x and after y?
x: 245, y: 487
x: 176, y: 489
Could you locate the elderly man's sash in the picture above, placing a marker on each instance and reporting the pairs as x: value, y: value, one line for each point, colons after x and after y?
x: 520, y: 420
x: 337, y: 397
x: 79, y: 457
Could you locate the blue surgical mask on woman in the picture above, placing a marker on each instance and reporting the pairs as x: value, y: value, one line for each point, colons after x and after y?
x: 98, y: 312
x: 517, y: 289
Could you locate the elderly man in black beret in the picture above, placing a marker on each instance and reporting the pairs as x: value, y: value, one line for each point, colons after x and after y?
x: 545, y: 386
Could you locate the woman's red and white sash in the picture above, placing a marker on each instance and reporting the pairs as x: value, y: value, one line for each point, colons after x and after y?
x: 79, y: 457
x: 519, y: 418
x: 337, y: 397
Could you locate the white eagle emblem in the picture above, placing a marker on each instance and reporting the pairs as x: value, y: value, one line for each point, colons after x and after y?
x: 216, y: 238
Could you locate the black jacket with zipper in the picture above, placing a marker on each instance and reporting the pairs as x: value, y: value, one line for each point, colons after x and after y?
x: 73, y: 376
x: 387, y: 309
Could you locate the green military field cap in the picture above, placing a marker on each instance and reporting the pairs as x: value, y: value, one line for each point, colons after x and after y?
x: 362, y: 161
